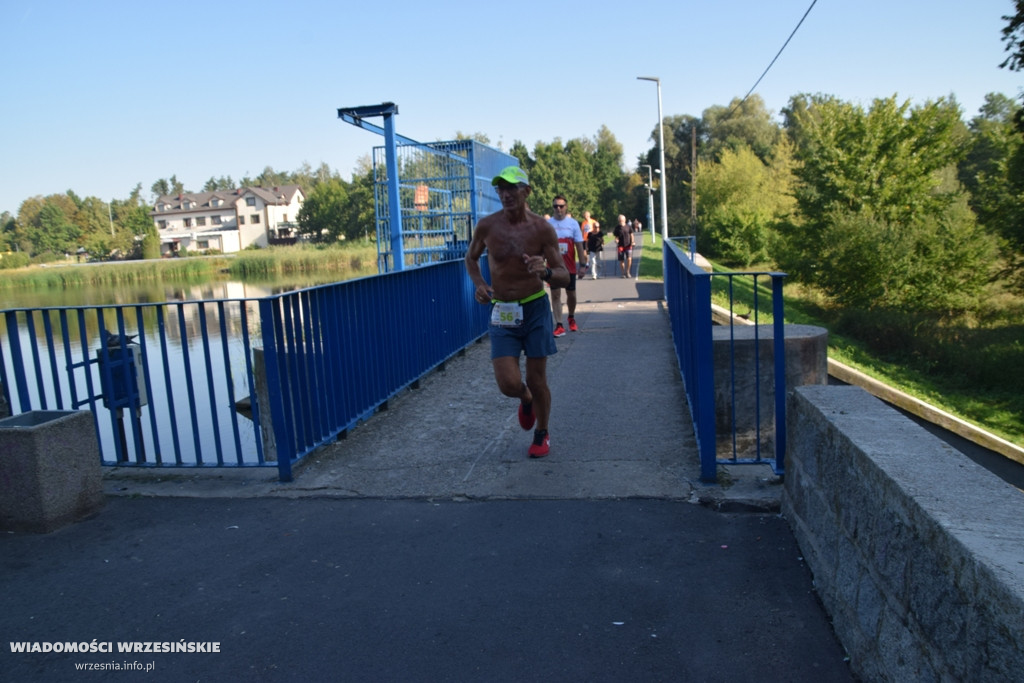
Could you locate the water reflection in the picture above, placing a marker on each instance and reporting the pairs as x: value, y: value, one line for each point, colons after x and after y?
x: 195, y: 342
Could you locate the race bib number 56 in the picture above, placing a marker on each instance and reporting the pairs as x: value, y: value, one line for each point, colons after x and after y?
x: 507, y: 315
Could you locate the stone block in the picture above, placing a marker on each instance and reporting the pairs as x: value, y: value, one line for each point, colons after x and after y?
x: 50, y: 473
x: 744, y: 379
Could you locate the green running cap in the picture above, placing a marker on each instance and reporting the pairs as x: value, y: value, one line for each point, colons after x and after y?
x: 512, y: 175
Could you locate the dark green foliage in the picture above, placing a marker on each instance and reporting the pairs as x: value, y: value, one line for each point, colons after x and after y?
x: 934, y: 263
x: 336, y: 210
x: 743, y: 199
x: 879, y: 225
x: 588, y: 172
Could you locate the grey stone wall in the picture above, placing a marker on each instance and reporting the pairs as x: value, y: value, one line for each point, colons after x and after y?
x: 917, y: 552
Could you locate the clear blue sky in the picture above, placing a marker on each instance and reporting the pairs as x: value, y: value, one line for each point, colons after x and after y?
x: 99, y: 96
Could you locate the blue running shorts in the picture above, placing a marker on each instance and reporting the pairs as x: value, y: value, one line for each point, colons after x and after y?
x: 534, y: 336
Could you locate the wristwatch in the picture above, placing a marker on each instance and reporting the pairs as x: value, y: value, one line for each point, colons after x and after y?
x: 547, y: 275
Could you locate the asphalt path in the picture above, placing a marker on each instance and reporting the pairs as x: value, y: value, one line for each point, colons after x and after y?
x: 317, y: 589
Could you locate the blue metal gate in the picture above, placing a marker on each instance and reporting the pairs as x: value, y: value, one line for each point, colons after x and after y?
x: 427, y: 196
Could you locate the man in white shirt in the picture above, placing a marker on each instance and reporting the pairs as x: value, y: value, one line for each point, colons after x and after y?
x: 570, y: 239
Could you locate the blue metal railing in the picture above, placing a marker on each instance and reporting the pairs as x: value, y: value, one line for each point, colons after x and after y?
x: 170, y: 384
x: 166, y: 382
x: 688, y: 295
x: 335, y: 354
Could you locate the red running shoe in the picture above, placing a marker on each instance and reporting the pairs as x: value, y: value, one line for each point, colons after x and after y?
x: 559, y: 330
x: 526, y: 417
x: 541, y: 445
x: 572, y: 325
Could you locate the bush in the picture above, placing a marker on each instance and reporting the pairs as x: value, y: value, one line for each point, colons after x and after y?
x: 934, y: 265
x: 18, y: 259
x: 151, y: 247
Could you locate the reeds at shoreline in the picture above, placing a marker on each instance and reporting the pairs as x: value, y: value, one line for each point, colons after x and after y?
x: 347, y: 261
x: 344, y: 261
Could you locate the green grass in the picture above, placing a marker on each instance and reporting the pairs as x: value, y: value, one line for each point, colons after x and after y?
x: 973, y: 371
x: 650, y: 261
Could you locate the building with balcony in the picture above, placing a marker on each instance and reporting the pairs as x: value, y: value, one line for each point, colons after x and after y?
x: 228, y: 220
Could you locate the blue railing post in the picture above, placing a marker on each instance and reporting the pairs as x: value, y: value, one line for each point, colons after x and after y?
x: 703, y: 366
x: 780, y: 372
x: 394, y: 199
x: 17, y: 360
x: 284, y: 442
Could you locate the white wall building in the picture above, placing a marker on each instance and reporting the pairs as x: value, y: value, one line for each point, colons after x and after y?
x: 227, y: 221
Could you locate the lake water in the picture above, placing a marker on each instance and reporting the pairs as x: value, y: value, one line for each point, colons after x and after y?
x: 195, y: 363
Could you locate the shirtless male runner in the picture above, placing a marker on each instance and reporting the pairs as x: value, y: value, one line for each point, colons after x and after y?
x: 522, y: 254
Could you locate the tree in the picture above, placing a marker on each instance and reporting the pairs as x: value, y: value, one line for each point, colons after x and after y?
x: 219, y: 184
x: 135, y: 223
x: 885, y: 159
x: 993, y: 173
x: 52, y: 232
x: 521, y: 152
x: 744, y: 123
x: 166, y: 187
x: 478, y: 136
x: 874, y: 189
x: 562, y: 169
x: 336, y: 210
x: 321, y: 215
x: 7, y: 225
x: 1013, y: 36
x: 45, y: 225
x: 742, y: 200
x: 937, y: 263
x: 359, y: 217
x: 607, y: 170
x: 587, y: 171
x: 307, y: 177
x: 271, y: 178
x: 95, y: 221
x: 678, y: 157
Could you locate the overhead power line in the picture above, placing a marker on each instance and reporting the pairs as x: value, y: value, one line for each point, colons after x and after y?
x: 813, y: 2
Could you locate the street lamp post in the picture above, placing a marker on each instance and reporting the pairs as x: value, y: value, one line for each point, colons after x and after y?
x: 650, y: 200
x: 661, y: 156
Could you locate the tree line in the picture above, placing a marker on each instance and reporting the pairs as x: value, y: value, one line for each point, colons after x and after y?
x: 892, y: 205
x: 63, y: 226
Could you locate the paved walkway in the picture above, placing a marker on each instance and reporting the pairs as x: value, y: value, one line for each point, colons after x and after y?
x: 427, y: 547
